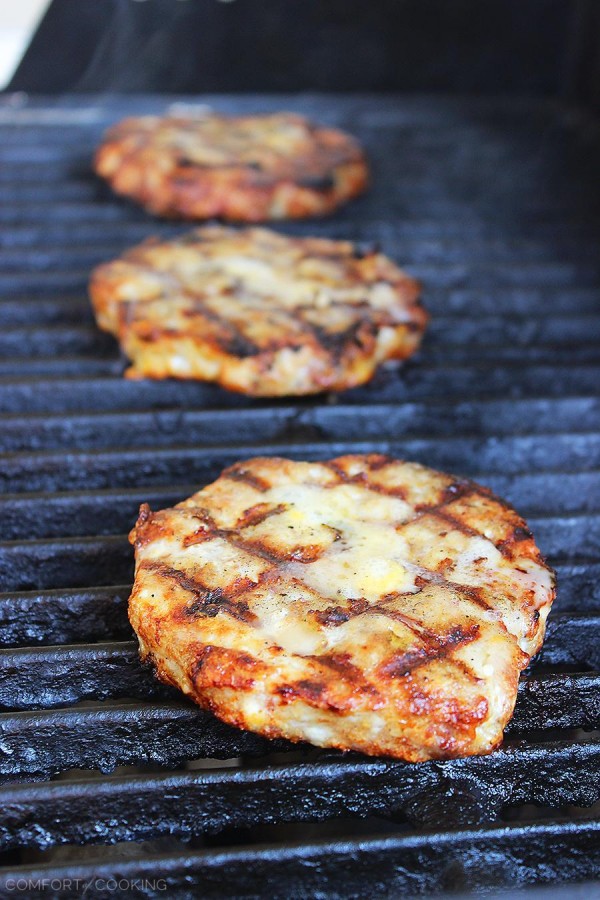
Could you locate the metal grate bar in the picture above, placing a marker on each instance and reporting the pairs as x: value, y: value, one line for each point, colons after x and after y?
x: 453, y: 383
x: 107, y: 362
x: 102, y: 365
x: 422, y: 242
x: 513, y: 454
x: 482, y: 860
x: 528, y: 259
x: 104, y: 360
x: 66, y: 616
x: 192, y: 803
x: 102, y: 430
x: 50, y: 741
x: 54, y: 340
x: 101, y: 737
x: 64, y: 563
x: 54, y: 367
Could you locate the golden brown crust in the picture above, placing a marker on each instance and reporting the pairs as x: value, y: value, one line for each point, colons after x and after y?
x: 258, y: 312
x: 361, y: 603
x: 245, y: 169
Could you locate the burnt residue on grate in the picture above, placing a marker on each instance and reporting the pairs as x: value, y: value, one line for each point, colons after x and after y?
x: 495, y: 206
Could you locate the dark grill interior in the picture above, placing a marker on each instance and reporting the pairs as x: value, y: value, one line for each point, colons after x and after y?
x: 495, y: 206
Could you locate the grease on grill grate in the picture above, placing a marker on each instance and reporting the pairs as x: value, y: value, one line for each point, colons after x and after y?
x: 495, y: 207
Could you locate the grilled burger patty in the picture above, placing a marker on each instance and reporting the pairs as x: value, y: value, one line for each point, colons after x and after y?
x: 248, y: 169
x: 258, y: 312
x: 362, y: 603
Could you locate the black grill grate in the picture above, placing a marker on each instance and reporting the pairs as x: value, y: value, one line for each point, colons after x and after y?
x: 495, y: 205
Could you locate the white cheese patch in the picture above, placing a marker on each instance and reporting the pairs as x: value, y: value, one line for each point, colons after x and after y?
x: 367, y: 558
x: 370, y: 568
x: 218, y: 563
x: 533, y: 577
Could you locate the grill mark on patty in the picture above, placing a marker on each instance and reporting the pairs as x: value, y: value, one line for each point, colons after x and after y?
x: 337, y: 615
x: 472, y: 592
x: 221, y: 667
x: 231, y: 339
x: 296, y: 331
x: 519, y: 535
x: 317, y: 182
x: 376, y: 461
x: 360, y: 333
x: 505, y: 547
x: 304, y: 553
x: 454, y: 491
x: 457, y: 524
x: 156, y: 333
x: 202, y: 515
x: 238, y: 472
x: 435, y: 648
x: 341, y: 664
x: 465, y: 669
x: 216, y: 601
x: 334, y: 616
x: 306, y: 689
x: 259, y: 513
x: 340, y: 696
x: 240, y: 346
x: 413, y: 625
x: 209, y: 601
x: 185, y: 162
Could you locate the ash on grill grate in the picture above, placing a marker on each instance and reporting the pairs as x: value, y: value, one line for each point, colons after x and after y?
x: 495, y: 205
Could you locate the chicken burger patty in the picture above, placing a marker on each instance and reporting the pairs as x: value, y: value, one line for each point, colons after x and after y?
x: 258, y: 312
x: 246, y: 169
x: 361, y: 603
